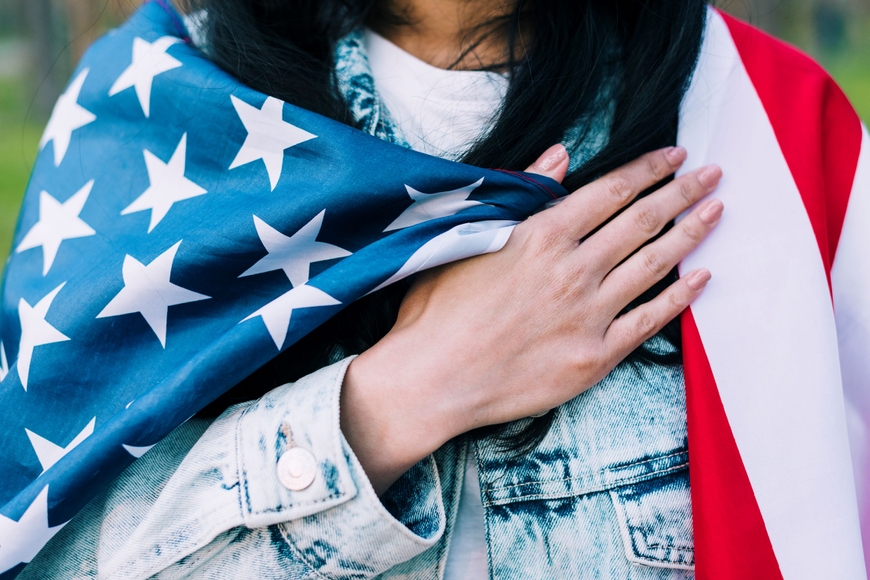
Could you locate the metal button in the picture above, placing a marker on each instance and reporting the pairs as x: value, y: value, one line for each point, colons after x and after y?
x: 297, y: 469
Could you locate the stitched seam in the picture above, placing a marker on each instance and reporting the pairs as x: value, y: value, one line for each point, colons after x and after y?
x: 244, y: 493
x: 443, y: 547
x: 651, y: 459
x: 299, y: 554
x: 600, y: 472
x: 402, y: 528
x: 530, y: 180
x: 290, y: 506
x: 653, y: 563
x: 581, y: 491
x: 630, y: 546
x: 655, y: 546
x: 241, y: 484
x: 284, y: 506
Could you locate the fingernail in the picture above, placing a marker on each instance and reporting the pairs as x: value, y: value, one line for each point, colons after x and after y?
x: 709, y: 176
x: 698, y: 279
x: 711, y: 211
x: 553, y: 157
x: 675, y: 155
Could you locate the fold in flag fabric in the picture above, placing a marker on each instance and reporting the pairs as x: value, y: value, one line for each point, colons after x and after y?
x: 180, y: 229
x: 777, y: 349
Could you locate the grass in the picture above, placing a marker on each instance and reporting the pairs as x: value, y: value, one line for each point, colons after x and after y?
x: 19, y: 141
x: 850, y: 66
x: 19, y: 134
x: 852, y: 72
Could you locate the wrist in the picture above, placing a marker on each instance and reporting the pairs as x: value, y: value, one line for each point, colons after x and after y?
x: 393, y: 413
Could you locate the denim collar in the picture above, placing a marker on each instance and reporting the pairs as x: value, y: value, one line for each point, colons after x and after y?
x: 357, y: 86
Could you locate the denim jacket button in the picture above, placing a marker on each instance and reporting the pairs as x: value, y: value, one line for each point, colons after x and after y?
x: 297, y: 469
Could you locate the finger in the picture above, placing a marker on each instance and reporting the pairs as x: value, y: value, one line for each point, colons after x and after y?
x: 635, y: 226
x: 653, y: 262
x: 552, y: 163
x: 591, y: 205
x: 632, y: 329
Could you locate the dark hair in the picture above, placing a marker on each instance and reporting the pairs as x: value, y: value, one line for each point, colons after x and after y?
x: 642, y: 51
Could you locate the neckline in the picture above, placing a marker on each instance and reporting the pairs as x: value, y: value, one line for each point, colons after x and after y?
x: 378, y: 42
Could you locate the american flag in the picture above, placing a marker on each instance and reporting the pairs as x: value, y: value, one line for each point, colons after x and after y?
x: 776, y: 351
x: 180, y: 229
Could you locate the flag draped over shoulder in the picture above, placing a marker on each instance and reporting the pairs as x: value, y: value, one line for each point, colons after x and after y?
x: 179, y: 230
x: 778, y: 373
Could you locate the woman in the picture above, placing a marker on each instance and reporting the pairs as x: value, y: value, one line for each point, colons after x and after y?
x: 540, y: 329
x: 592, y: 488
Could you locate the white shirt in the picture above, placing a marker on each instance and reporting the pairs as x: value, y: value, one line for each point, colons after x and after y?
x: 442, y: 112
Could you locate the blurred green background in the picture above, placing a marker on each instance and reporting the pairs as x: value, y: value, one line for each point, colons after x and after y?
x: 41, y: 40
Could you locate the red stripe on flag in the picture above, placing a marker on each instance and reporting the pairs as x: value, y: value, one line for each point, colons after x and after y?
x: 731, y: 540
x: 818, y: 131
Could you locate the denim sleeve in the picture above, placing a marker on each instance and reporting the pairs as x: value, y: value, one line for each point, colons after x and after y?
x: 225, y: 512
x: 338, y: 524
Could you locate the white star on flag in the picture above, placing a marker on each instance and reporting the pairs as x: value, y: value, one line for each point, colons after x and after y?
x: 293, y: 254
x: 428, y: 206
x: 148, y: 291
x: 168, y: 185
x: 20, y: 541
x: 66, y: 117
x: 276, y: 314
x: 57, y: 222
x: 35, y: 331
x: 50, y: 453
x: 149, y: 60
x: 268, y: 136
x: 4, y: 365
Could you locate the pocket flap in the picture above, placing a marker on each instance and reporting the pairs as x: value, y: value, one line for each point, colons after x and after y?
x: 655, y: 518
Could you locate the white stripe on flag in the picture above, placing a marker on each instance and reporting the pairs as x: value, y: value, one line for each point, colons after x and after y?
x: 850, y: 278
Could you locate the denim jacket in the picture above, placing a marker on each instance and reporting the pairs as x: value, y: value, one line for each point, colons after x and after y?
x: 604, y: 496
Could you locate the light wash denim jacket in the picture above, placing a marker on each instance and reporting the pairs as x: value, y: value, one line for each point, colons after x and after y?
x: 604, y: 496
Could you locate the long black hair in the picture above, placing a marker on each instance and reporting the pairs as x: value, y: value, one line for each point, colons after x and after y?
x: 639, y: 53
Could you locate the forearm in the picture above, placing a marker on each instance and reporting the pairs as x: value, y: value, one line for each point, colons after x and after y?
x: 390, y: 414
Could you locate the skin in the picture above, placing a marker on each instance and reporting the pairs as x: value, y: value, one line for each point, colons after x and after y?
x: 503, y: 336
x: 445, y: 33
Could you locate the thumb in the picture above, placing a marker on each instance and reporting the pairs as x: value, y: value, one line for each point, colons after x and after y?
x: 552, y: 163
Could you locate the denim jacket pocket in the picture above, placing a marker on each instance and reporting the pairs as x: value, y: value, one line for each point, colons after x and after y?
x: 655, y: 520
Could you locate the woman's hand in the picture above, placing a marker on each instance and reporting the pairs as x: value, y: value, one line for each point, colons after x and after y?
x: 506, y: 335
